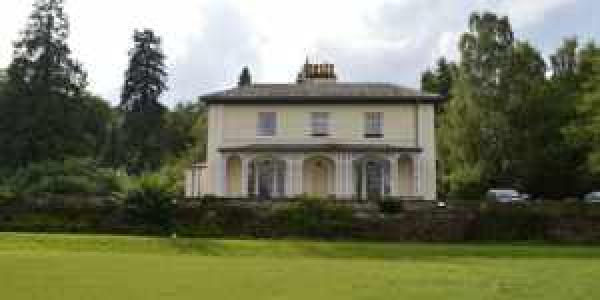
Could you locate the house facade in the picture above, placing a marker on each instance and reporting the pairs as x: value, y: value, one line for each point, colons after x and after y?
x: 318, y: 137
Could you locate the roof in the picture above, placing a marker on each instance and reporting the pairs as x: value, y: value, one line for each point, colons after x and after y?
x: 320, y: 92
x: 366, y: 148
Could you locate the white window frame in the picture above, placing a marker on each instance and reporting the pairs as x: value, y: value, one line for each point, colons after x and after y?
x: 263, y: 129
x: 373, y: 124
x: 320, y: 123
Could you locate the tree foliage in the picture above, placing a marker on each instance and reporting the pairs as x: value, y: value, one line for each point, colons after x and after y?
x: 150, y: 202
x: 512, y: 118
x: 143, y: 114
x: 72, y: 176
x: 474, y: 126
x: 41, y: 64
x: 45, y: 112
x: 584, y: 130
x: 245, y: 77
x: 508, y: 124
x: 440, y: 79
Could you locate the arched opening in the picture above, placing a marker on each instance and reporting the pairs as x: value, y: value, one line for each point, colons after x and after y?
x: 234, y: 176
x: 318, y: 176
x: 372, y: 177
x: 266, y: 177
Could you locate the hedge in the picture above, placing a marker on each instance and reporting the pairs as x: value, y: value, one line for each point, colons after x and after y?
x: 304, y: 218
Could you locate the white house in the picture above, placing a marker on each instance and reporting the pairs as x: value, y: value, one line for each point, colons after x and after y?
x: 318, y: 137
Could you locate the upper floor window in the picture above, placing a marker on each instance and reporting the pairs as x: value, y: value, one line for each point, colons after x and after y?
x: 374, y: 124
x: 319, y: 123
x: 267, y: 124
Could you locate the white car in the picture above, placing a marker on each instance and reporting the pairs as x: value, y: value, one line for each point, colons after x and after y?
x: 592, y: 197
x: 506, y: 196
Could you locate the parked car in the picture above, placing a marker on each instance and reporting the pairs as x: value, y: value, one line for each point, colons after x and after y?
x: 506, y: 196
x: 592, y: 197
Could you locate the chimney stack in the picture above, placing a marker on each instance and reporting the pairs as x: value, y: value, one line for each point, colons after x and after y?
x: 323, y: 72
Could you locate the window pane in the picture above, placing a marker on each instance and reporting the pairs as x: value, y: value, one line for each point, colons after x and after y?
x: 320, y: 123
x: 267, y: 123
x: 374, y: 123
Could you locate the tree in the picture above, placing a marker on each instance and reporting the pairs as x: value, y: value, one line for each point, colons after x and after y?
x: 98, y: 121
x: 584, y: 130
x: 186, y: 135
x: 41, y: 64
x: 439, y: 80
x: 245, y: 77
x: 564, y: 61
x: 563, y: 173
x: 509, y: 124
x: 534, y: 147
x: 474, y: 127
x: 186, y: 130
x: 3, y: 79
x: 44, y: 108
x: 143, y: 114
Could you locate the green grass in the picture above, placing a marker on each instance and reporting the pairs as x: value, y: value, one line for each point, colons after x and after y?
x: 69, y: 267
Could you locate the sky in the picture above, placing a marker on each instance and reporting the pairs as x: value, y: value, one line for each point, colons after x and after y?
x: 207, y: 42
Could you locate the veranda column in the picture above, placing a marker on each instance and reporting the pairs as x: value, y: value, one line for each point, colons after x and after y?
x: 349, y: 178
x: 394, y: 176
x: 290, y: 169
x: 363, y: 175
x: 347, y: 182
x: 245, y: 174
x: 417, y: 174
x: 221, y: 172
x: 339, y: 175
x: 298, y: 163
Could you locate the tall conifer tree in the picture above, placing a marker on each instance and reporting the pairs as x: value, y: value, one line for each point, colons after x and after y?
x: 143, y: 114
x: 42, y: 112
x: 245, y: 77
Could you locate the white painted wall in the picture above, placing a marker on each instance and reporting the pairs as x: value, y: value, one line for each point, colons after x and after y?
x: 235, y: 125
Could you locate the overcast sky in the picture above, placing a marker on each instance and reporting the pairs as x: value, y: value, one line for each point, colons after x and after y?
x: 208, y: 41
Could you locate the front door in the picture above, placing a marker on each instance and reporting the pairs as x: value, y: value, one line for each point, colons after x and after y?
x: 377, y: 178
x: 266, y: 177
x: 374, y: 180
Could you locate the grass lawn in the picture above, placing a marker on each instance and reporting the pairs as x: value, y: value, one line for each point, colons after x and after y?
x: 71, y: 267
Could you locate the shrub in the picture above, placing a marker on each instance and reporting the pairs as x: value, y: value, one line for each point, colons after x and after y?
x: 465, y: 183
x: 390, y: 205
x: 6, y: 195
x: 502, y: 222
x: 73, y: 176
x: 210, y: 199
x: 316, y: 218
x: 151, y: 202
